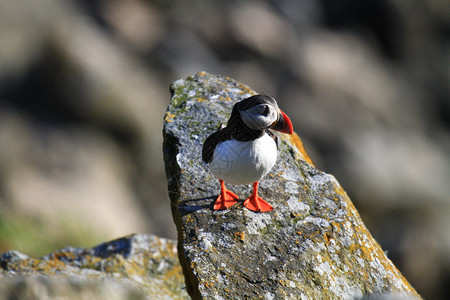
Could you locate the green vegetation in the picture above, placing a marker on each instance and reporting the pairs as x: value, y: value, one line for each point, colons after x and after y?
x: 36, y: 237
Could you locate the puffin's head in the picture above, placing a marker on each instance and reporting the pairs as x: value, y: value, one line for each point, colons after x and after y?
x: 261, y: 112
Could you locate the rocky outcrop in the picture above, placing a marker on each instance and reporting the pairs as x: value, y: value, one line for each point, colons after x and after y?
x: 83, y: 86
x: 312, y: 245
x: 134, y: 267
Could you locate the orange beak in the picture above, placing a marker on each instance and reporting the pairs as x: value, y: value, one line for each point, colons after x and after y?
x: 283, y: 124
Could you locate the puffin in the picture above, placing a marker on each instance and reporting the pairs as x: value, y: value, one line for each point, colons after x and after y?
x: 245, y: 150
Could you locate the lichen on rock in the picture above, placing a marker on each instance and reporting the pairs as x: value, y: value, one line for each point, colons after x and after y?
x: 312, y: 245
x: 138, y: 266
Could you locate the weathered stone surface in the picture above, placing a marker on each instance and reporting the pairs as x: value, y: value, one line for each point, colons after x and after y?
x: 143, y: 265
x: 52, y: 288
x: 313, y: 245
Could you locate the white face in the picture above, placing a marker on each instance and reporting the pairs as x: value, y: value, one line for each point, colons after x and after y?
x: 260, y: 117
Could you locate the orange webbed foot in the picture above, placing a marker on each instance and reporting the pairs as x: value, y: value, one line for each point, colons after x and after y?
x: 226, y: 198
x: 256, y: 203
x: 225, y: 202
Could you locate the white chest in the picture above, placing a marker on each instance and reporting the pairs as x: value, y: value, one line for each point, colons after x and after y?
x: 244, y: 162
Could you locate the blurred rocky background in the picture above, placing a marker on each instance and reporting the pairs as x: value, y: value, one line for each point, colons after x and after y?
x: 84, y: 88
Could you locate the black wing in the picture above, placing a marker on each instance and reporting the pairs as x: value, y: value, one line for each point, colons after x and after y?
x: 222, y: 134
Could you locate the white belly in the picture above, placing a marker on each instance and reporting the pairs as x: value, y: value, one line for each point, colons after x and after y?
x: 244, y: 162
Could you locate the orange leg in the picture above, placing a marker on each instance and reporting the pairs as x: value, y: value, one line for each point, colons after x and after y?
x: 256, y: 203
x: 226, y: 198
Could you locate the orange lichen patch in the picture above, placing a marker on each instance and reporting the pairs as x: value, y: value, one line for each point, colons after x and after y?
x: 169, y: 117
x: 201, y: 99
x: 202, y: 73
x: 245, y: 89
x: 295, y: 140
x: 174, y: 273
x: 239, y: 236
x: 327, y: 237
x: 48, y: 267
x: 189, y: 219
x: 208, y: 284
x: 336, y: 226
x: 277, y: 174
x: 339, y: 190
x: 376, y: 252
x: 369, y: 250
x: 64, y: 255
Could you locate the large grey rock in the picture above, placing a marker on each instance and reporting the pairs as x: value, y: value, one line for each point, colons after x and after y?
x: 134, y: 267
x: 312, y: 245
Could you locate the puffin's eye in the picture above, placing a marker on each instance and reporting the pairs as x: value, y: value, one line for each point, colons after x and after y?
x: 266, y: 110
